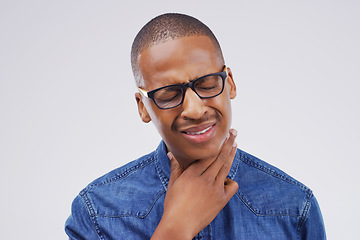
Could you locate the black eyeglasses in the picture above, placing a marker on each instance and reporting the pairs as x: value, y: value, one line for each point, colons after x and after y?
x: 171, y: 96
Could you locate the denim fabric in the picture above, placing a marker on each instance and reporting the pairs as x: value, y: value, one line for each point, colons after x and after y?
x: 127, y: 203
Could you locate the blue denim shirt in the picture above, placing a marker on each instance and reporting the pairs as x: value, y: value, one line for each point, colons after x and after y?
x: 127, y: 203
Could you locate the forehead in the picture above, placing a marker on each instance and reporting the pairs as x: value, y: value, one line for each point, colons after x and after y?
x: 178, y: 61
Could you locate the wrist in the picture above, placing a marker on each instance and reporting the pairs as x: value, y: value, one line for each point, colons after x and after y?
x: 168, y: 230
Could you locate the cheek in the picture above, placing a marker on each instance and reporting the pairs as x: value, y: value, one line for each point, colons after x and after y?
x: 226, y: 105
x: 222, y: 104
x: 162, y: 123
x: 162, y: 120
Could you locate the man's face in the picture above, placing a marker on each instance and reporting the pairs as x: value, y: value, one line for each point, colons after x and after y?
x: 196, y: 129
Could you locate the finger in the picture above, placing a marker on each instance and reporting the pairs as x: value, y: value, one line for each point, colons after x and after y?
x: 223, y: 156
x: 175, y: 169
x: 230, y: 187
x: 224, y: 170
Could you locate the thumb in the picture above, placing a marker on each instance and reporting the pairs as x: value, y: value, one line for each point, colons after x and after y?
x: 175, y: 169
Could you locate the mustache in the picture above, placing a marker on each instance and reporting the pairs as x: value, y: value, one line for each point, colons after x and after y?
x: 184, y: 123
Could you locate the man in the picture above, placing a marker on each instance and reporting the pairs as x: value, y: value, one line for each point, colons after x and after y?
x: 196, y: 184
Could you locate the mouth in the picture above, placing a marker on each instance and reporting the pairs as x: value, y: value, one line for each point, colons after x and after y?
x: 199, y: 134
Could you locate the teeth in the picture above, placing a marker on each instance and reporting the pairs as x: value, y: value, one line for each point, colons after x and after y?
x: 198, y: 133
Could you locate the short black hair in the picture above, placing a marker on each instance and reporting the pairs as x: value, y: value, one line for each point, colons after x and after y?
x: 166, y: 27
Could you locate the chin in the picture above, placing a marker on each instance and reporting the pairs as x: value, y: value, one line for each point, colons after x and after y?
x: 210, y: 151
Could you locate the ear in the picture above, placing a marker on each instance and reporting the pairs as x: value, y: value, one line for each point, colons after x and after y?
x: 143, y: 113
x: 232, y: 85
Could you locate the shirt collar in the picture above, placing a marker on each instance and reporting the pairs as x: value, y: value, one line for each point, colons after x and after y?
x: 164, y: 168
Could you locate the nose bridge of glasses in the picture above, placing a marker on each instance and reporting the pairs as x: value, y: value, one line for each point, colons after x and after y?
x: 192, y: 106
x: 186, y: 86
x: 191, y: 98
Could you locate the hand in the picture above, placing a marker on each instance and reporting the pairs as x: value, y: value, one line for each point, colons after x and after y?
x: 194, y: 197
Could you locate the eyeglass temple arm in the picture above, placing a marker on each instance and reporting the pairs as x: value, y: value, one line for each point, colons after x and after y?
x: 142, y: 91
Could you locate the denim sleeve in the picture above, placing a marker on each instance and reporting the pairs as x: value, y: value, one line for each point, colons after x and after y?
x: 79, y: 225
x: 313, y: 226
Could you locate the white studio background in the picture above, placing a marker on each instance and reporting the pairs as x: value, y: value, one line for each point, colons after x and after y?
x: 68, y: 114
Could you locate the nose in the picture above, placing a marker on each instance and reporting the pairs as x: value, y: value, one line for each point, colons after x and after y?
x: 193, y: 106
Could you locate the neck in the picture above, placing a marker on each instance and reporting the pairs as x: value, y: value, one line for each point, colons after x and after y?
x: 185, y: 163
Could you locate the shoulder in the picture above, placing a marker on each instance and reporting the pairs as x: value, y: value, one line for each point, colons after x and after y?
x: 268, y: 191
x: 130, y: 190
x: 124, y: 171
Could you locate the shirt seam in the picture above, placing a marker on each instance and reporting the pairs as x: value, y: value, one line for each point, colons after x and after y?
x: 92, y: 216
x: 264, y: 215
x: 304, y: 214
x: 133, y: 216
x: 235, y: 167
x: 163, y: 179
x: 120, y: 176
x: 252, y: 163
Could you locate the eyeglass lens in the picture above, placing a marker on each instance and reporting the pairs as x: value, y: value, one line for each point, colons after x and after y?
x: 205, y: 87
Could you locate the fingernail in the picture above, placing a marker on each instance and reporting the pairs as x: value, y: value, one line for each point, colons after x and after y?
x: 234, y: 132
x: 234, y: 145
x: 170, y: 156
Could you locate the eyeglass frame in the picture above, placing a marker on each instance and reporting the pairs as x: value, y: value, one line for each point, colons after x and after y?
x: 150, y: 94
